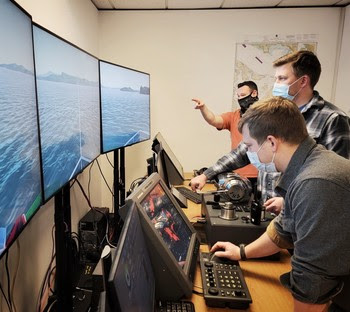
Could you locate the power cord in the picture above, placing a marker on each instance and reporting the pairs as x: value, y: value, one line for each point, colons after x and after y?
x: 7, y: 302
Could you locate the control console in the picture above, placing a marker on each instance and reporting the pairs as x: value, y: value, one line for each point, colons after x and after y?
x: 223, y: 283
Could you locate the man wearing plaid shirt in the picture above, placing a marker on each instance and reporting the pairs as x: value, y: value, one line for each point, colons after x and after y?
x: 295, y: 78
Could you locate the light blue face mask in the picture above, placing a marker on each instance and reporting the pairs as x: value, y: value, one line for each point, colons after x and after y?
x: 255, y: 161
x: 280, y: 89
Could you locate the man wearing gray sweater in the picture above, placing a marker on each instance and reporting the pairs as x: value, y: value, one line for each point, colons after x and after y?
x: 315, y: 184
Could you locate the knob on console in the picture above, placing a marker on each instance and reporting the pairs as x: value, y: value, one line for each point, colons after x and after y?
x: 213, y: 291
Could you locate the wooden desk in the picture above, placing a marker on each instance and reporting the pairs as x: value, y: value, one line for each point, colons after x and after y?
x: 262, y: 278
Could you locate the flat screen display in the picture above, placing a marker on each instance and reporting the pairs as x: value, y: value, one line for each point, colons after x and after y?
x: 69, y: 109
x: 168, y: 222
x: 20, y: 181
x: 171, y: 240
x: 168, y: 166
x: 131, y: 280
x: 125, y: 106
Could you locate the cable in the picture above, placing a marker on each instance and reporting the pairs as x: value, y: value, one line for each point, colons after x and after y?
x: 48, y: 309
x: 44, y: 283
x: 98, y: 164
x: 8, y: 279
x: 81, y: 187
x: 90, y: 179
x: 15, y: 274
x: 7, y: 302
x: 109, y: 161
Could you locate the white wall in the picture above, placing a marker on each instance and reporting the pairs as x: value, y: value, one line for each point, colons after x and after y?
x: 191, y: 54
x: 77, y: 22
x: 342, y: 83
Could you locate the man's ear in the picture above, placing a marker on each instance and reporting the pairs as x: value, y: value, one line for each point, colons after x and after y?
x: 273, y: 141
x: 254, y: 93
x: 305, y: 81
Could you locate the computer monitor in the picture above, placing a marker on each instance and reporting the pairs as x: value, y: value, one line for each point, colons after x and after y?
x: 20, y: 179
x: 131, y: 284
x: 168, y: 166
x: 170, y: 237
x: 69, y: 108
x: 125, y: 106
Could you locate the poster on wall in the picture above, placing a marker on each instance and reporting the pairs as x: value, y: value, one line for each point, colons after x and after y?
x: 255, y: 55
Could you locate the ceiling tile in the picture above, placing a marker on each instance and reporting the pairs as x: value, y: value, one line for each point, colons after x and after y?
x: 138, y: 4
x: 250, y: 3
x: 194, y: 4
x: 209, y: 4
x: 102, y: 4
x: 343, y: 2
x: 307, y: 2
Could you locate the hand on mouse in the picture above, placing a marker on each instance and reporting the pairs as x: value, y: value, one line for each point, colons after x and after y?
x: 226, y: 250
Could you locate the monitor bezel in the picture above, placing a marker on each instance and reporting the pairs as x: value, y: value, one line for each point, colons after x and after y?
x: 183, y: 275
x: 102, y: 151
x: 44, y: 199
x: 164, y: 155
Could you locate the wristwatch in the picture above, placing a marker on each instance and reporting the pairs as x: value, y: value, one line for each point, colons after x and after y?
x: 242, y: 252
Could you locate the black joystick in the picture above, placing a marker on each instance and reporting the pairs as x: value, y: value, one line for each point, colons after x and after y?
x: 217, y: 198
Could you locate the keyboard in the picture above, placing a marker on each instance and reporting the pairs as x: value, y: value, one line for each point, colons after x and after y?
x: 223, y: 283
x: 189, y: 194
x: 170, y: 306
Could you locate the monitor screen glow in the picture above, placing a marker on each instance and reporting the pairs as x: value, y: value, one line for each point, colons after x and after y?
x: 69, y: 110
x: 171, y: 239
x: 125, y: 106
x: 168, y: 222
x: 20, y: 180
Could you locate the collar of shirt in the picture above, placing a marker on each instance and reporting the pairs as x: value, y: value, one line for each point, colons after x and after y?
x: 316, y: 101
x: 295, y: 164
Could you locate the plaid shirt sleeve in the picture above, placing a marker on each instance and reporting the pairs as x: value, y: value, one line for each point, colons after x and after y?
x: 237, y: 158
x: 336, y: 135
x: 328, y: 125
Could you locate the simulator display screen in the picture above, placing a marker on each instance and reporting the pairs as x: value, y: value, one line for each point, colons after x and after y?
x: 168, y: 222
x: 20, y: 185
x: 125, y: 106
x: 69, y: 109
x: 134, y: 280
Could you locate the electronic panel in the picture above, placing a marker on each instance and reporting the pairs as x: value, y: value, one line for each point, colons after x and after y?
x: 169, y: 235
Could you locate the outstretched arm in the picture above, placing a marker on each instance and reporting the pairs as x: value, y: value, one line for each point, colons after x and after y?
x: 208, y: 115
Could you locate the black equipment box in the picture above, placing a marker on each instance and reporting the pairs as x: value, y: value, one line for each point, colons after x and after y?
x: 92, y: 230
x: 238, y: 231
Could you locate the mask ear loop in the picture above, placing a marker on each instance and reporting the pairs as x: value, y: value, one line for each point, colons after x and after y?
x: 298, y: 90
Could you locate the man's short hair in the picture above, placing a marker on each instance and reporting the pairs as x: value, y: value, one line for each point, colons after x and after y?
x: 303, y: 63
x: 275, y: 116
x: 251, y: 84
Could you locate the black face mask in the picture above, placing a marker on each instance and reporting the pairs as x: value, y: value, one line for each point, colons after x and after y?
x: 246, y: 102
